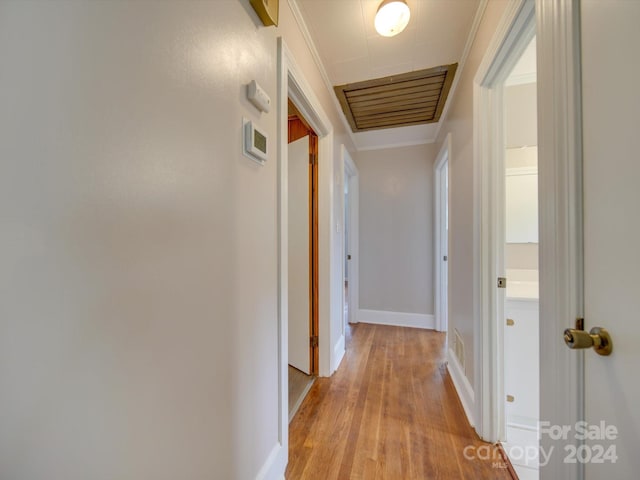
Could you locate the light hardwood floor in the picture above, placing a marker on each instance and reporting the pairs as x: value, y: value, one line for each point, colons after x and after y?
x: 389, y: 412
x: 299, y: 385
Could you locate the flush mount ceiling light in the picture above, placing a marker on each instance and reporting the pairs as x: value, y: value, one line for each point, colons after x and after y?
x: 392, y: 17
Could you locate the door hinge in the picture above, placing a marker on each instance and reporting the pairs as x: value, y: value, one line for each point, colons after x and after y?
x: 502, y: 282
x: 313, y: 158
x: 313, y: 341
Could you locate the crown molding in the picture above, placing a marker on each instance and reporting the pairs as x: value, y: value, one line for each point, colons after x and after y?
x: 409, y: 143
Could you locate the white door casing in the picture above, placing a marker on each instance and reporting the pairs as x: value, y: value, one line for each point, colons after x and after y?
x: 560, y: 225
x: 511, y: 38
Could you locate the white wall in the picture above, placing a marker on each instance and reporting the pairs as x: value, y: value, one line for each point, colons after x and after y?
x: 521, y: 114
x: 459, y: 123
x: 396, y: 229
x: 139, y: 280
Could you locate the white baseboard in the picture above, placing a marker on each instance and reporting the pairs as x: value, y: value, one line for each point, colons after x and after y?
x: 275, y: 465
x: 463, y: 387
x: 338, y: 354
x: 398, y: 319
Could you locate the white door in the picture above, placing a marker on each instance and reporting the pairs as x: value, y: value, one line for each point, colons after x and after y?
x: 299, y: 266
x: 611, y: 133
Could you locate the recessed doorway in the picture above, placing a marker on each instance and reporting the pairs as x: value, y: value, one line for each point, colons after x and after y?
x: 303, y: 256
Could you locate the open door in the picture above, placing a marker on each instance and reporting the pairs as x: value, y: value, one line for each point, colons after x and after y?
x: 589, y: 103
x: 611, y: 103
x: 303, y: 244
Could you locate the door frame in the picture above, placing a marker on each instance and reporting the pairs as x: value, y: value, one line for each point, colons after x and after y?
x: 560, y: 223
x: 441, y: 297
x: 514, y: 33
x: 557, y: 29
x: 293, y: 85
x: 298, y: 127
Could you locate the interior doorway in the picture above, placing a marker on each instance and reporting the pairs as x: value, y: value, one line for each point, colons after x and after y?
x: 505, y: 299
x: 519, y: 255
x: 303, y: 275
x: 441, y: 176
x: 350, y: 249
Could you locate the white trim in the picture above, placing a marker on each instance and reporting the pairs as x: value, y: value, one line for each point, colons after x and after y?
x: 338, y: 352
x: 304, y: 29
x: 512, y: 36
x: 397, y: 319
x: 561, y: 230
x: 268, y: 471
x: 521, y: 79
x: 408, y: 143
x: 440, y: 296
x: 498, y: 58
x: 283, y: 261
x: 462, y: 385
x: 482, y: 6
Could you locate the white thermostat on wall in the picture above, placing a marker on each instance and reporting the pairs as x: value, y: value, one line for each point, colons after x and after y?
x: 255, y: 142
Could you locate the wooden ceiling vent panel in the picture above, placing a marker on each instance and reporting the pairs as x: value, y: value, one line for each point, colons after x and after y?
x: 397, y: 101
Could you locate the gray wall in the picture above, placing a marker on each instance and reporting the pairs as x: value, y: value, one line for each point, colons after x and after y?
x: 521, y: 115
x: 459, y: 123
x: 396, y: 229
x: 138, y: 322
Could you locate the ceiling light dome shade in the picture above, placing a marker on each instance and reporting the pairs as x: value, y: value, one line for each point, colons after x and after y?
x: 392, y: 17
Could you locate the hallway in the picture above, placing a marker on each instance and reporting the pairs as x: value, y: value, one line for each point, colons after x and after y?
x: 389, y: 412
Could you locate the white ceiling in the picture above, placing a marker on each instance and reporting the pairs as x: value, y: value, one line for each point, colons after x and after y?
x: 351, y: 50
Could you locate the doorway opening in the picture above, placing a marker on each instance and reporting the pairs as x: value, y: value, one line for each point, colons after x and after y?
x: 441, y: 175
x: 292, y: 85
x: 350, y: 248
x: 519, y: 256
x: 506, y: 241
x: 302, y: 174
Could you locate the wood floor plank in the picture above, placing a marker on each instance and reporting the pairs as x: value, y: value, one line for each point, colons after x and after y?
x: 389, y: 412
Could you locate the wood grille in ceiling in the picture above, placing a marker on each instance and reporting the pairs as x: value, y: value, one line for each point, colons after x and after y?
x: 397, y: 101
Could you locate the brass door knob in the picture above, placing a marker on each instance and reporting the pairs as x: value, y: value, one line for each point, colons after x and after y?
x: 598, y: 338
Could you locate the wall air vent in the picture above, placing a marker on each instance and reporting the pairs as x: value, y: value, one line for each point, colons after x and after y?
x: 410, y: 98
